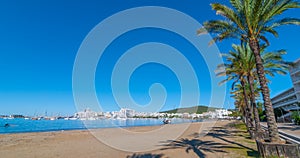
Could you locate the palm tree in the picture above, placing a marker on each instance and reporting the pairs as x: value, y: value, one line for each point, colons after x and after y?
x: 241, y: 61
x: 239, y: 103
x: 249, y: 21
x: 234, y: 70
x: 273, y: 64
x: 239, y: 94
x: 244, y: 57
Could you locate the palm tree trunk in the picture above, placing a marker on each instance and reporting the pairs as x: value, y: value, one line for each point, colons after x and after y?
x: 271, y: 122
x: 253, y: 103
x: 256, y: 118
x: 246, y: 120
x: 243, y: 111
x: 248, y: 109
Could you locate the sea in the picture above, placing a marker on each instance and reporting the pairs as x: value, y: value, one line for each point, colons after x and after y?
x: 20, y: 125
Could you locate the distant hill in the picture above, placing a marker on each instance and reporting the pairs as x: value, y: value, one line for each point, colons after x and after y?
x: 195, y: 109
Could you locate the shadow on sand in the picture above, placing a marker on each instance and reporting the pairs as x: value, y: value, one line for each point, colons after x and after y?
x: 222, y: 134
x: 195, y: 145
x: 145, y: 156
x: 199, y: 147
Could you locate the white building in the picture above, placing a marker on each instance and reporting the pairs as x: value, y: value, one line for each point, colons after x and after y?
x: 286, y: 100
x: 289, y: 99
x: 86, y: 114
x: 126, y: 113
x: 218, y: 113
x: 223, y: 113
x: 295, y: 76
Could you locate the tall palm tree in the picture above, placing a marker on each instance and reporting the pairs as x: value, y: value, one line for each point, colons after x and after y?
x: 239, y: 102
x: 240, y: 62
x: 250, y: 21
x: 234, y: 70
x: 273, y: 64
x: 239, y: 94
x: 245, y: 57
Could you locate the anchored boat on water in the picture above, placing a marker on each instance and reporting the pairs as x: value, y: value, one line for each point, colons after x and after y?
x: 166, y: 121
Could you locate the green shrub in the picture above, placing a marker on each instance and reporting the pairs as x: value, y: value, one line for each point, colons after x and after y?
x: 296, y: 117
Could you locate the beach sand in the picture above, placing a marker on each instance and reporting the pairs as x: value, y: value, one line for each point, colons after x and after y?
x: 220, y: 140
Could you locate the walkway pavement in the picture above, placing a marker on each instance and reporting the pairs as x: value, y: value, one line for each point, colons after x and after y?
x: 288, y: 128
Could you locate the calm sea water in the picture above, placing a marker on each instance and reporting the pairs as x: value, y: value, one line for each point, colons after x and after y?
x: 22, y: 125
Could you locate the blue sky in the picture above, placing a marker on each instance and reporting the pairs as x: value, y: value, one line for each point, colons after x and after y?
x: 40, y: 41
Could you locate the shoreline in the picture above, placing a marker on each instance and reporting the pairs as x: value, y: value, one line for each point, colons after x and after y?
x: 95, y: 128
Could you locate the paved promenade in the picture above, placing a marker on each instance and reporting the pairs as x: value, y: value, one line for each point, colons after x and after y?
x: 288, y: 128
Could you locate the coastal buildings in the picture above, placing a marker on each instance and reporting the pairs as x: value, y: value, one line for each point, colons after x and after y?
x: 286, y: 100
x: 125, y: 113
x: 218, y: 113
x: 86, y: 114
x: 295, y: 76
x: 289, y: 99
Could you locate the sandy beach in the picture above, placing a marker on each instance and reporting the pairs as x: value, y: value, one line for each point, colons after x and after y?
x: 206, y: 139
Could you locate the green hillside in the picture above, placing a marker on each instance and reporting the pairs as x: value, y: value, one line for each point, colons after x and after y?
x: 195, y: 109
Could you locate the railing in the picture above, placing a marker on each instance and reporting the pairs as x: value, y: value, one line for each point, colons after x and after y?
x: 285, y: 136
x: 294, y: 107
x: 296, y: 87
x: 293, y: 101
x: 294, y: 70
x: 295, y: 79
x: 274, y: 101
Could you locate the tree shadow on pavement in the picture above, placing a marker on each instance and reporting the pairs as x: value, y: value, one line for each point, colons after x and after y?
x: 223, y: 134
x: 195, y: 145
x: 148, y: 155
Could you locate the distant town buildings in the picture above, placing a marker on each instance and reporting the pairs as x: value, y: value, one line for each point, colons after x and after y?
x: 129, y: 113
x: 289, y: 100
x: 86, y: 114
x: 218, y: 113
x: 125, y: 113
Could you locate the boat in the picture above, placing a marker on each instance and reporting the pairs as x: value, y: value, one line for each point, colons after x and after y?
x: 71, y: 118
x: 166, y: 121
x: 35, y: 118
x: 8, y: 118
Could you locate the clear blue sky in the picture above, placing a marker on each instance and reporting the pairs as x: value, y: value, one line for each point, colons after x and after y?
x: 39, y: 41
